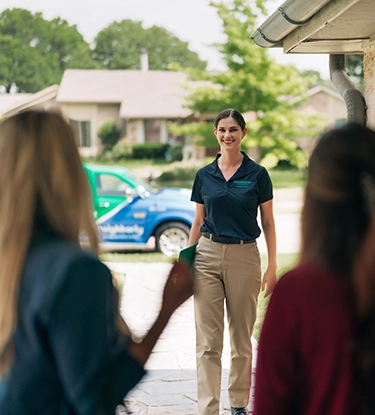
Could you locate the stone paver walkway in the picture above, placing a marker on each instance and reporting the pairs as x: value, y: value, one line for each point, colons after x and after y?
x: 170, y: 385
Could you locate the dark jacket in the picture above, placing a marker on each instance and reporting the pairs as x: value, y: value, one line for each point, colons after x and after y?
x: 69, y: 358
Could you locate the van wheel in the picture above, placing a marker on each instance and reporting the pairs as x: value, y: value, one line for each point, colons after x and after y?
x: 171, y: 237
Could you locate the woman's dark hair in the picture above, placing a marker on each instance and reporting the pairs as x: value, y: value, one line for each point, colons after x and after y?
x: 337, y: 216
x: 334, y: 217
x: 231, y: 113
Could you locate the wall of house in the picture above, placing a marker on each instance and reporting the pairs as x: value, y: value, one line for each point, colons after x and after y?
x: 369, y: 79
x: 330, y: 106
x: 109, y: 112
x: 96, y: 114
x: 136, y: 131
x: 333, y: 107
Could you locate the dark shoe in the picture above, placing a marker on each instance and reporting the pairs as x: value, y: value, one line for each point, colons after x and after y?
x: 239, y: 411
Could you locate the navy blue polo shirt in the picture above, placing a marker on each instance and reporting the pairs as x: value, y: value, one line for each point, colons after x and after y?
x: 232, y: 206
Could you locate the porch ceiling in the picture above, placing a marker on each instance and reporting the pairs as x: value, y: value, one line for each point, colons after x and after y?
x: 337, y: 27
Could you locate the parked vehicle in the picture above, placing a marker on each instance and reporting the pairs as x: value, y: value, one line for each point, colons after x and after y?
x: 133, y: 215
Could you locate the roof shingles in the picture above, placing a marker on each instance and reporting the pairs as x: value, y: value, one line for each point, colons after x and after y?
x: 151, y: 94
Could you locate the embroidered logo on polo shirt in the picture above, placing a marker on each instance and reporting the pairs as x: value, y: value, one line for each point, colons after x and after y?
x: 242, y: 183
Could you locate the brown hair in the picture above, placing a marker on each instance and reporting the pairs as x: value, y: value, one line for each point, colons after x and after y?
x: 338, y: 231
x: 335, y: 216
x: 231, y: 113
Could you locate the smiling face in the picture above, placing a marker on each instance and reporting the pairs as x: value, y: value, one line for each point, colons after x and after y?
x: 229, y: 133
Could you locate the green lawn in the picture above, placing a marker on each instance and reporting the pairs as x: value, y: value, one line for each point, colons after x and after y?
x: 132, y: 164
x: 282, y: 177
x: 287, y: 177
x: 284, y: 263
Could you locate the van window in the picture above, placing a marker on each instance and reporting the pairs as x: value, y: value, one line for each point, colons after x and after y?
x: 110, y: 185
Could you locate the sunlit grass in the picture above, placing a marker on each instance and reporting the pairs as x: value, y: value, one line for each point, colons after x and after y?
x: 282, y: 177
x: 285, y: 262
x: 287, y: 177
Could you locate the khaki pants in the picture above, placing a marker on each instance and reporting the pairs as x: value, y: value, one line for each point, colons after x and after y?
x: 230, y: 274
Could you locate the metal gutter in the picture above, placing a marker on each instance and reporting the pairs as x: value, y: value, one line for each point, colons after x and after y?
x: 290, y: 15
x: 355, y: 102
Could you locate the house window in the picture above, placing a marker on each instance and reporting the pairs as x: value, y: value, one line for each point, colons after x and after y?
x: 83, y: 132
x: 152, y: 131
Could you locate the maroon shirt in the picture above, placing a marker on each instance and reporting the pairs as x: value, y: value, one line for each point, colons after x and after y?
x: 305, y: 354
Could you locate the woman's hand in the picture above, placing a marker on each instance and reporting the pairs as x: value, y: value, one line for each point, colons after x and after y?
x: 177, y: 289
x: 269, y: 281
x: 179, y: 286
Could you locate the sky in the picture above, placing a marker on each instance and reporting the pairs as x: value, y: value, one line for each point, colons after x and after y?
x: 192, y: 21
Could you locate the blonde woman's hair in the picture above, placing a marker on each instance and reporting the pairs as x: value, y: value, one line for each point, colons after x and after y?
x: 40, y: 173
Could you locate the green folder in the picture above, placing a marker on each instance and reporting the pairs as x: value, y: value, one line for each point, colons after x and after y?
x: 188, y: 254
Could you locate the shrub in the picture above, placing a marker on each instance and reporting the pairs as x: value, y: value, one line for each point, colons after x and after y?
x: 109, y: 133
x: 150, y: 150
x: 122, y: 150
x: 176, y: 152
x: 178, y: 174
x: 125, y: 150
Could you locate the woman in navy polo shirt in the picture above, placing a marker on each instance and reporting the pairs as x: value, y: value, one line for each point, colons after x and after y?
x: 227, y: 268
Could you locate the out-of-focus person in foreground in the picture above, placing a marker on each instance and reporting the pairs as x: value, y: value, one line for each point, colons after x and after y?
x: 64, y: 348
x: 316, y: 351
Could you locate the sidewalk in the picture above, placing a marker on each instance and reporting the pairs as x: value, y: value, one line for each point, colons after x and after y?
x: 169, y: 388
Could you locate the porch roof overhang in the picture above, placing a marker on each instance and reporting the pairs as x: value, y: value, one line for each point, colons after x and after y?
x: 319, y: 26
x: 41, y: 99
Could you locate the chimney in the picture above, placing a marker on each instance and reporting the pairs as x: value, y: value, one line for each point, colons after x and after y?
x: 144, y: 60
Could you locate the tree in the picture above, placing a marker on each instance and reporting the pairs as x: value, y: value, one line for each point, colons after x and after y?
x: 120, y: 44
x: 316, y: 79
x: 35, y: 52
x: 253, y: 81
x: 354, y: 69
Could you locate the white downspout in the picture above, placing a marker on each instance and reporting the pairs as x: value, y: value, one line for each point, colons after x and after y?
x: 355, y: 102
